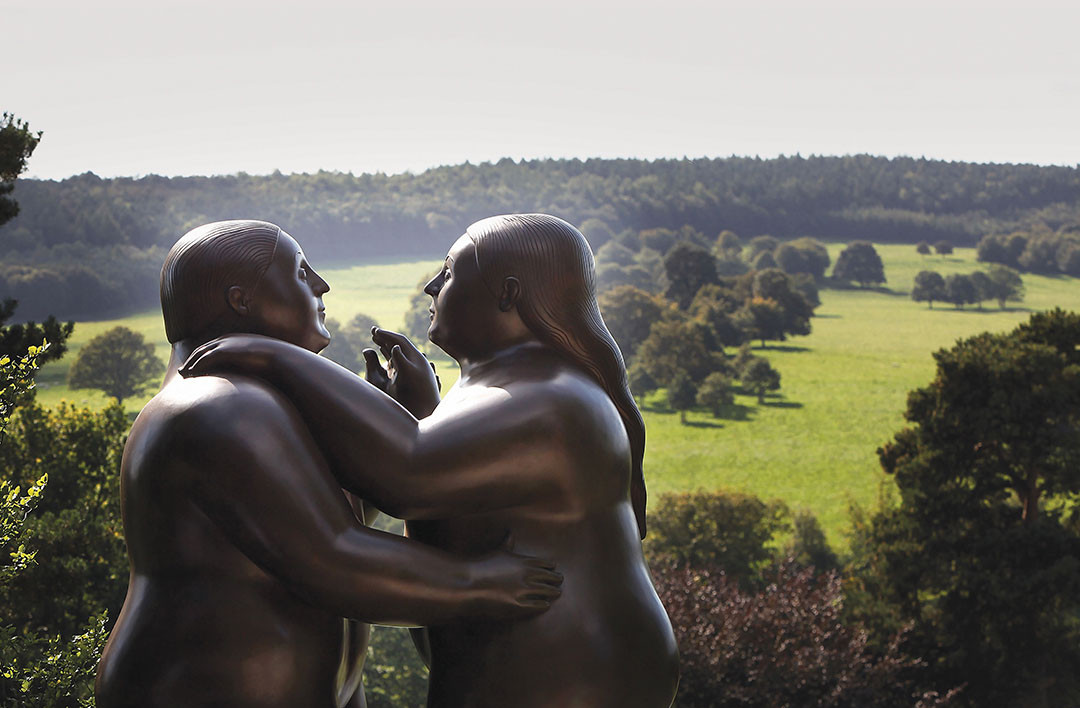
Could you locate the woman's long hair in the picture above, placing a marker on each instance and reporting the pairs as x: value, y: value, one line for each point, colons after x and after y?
x: 554, y: 266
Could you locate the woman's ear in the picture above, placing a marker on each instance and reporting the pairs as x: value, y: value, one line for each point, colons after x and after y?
x: 511, y: 289
x: 239, y: 300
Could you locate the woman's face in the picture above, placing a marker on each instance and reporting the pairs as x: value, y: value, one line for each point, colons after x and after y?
x: 287, y: 301
x: 461, y: 305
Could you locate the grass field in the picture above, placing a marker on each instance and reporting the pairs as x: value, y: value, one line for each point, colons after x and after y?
x: 843, y: 390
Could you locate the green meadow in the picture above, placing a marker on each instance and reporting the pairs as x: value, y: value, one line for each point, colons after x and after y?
x: 842, y: 394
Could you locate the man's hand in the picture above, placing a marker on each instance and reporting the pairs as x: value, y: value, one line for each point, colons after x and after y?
x: 508, y: 585
x: 409, y: 377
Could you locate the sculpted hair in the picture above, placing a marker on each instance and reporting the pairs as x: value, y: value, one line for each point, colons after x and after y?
x: 554, y: 266
x: 202, y: 266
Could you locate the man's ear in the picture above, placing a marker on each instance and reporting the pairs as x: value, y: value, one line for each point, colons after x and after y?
x: 239, y: 300
x: 511, y: 289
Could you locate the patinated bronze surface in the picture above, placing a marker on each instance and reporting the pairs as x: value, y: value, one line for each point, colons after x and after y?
x: 246, y: 555
x: 539, y: 438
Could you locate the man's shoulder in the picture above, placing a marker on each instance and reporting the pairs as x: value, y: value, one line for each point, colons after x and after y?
x: 213, y: 409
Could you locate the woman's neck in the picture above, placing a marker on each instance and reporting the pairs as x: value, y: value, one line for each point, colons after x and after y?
x: 476, y: 366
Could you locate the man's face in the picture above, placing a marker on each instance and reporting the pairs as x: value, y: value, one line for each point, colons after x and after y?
x: 287, y: 302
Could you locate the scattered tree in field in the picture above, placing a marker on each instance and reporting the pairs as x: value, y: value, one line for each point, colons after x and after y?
x: 922, y: 248
x: 1005, y: 285
x: 715, y: 393
x: 418, y: 317
x: 722, y: 528
x: 17, y: 143
x: 340, y: 350
x: 763, y: 261
x: 929, y: 286
x: 760, y: 378
x: 761, y: 319
x: 808, y: 546
x: 727, y: 245
x: 761, y: 244
x: 960, y: 290
x: 860, y: 262
x: 983, y: 287
x: 641, y: 381
x: 118, y: 362
x: 687, y: 267
x: 778, y: 286
x: 661, y: 240
x: 682, y: 394
x: 615, y: 253
x: 943, y: 248
x: 678, y: 346
x: 714, y: 306
x: 981, y: 554
x: 629, y: 313
x: 803, y: 255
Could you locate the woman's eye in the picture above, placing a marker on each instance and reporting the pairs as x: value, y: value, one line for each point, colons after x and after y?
x: 446, y: 276
x: 303, y: 274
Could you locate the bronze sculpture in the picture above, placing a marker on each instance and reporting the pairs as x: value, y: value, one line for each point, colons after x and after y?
x: 245, y: 553
x: 539, y: 437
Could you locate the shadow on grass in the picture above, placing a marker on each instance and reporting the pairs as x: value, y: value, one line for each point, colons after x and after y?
x: 702, y: 424
x: 826, y: 316
x: 781, y: 404
x: 782, y: 348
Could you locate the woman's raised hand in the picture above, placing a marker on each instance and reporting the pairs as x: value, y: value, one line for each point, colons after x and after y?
x: 409, y: 377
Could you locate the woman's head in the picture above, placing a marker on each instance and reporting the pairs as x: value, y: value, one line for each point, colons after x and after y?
x: 556, y: 280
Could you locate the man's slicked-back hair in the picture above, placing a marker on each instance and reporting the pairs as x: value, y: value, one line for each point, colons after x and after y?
x: 202, y: 266
x: 554, y: 266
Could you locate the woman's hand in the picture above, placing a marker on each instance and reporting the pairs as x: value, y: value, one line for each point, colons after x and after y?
x: 409, y: 377
x: 251, y: 354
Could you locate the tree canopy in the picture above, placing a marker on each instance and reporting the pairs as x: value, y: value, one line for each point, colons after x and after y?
x: 118, y: 362
x: 861, y: 263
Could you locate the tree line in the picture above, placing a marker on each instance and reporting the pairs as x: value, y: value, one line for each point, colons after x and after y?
x: 94, y: 245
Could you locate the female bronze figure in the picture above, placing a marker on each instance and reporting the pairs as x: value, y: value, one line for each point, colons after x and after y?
x: 539, y: 438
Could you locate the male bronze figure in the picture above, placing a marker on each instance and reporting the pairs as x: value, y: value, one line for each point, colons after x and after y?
x: 540, y: 438
x: 245, y: 554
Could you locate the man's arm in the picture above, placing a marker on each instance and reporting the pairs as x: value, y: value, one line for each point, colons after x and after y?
x: 254, y: 470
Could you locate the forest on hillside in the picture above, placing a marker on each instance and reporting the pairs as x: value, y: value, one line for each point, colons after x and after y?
x: 88, y: 247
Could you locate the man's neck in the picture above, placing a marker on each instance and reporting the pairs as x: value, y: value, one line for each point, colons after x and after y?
x: 180, y: 352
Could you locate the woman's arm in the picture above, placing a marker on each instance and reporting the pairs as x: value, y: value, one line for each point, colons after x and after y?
x: 496, y: 453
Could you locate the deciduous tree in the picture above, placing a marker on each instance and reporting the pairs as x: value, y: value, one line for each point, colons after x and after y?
x: 860, y: 262
x: 687, y: 267
x: 929, y: 286
x: 118, y: 362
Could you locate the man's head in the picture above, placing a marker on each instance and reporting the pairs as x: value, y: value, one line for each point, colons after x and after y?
x: 242, y: 276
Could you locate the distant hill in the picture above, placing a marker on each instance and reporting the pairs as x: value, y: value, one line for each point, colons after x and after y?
x: 87, y: 245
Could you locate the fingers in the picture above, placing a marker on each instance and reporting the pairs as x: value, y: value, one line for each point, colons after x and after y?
x: 387, y: 340
x: 544, y: 578
x: 191, y: 366
x: 397, y: 357
x: 372, y: 364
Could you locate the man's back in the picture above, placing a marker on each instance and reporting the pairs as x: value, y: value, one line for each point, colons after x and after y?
x: 214, y: 613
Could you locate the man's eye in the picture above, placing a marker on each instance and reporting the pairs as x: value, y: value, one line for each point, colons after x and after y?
x: 446, y: 276
x: 303, y: 274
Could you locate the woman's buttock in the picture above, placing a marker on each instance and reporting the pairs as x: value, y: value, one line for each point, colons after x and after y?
x: 619, y: 652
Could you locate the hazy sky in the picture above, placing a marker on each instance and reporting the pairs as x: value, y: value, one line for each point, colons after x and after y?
x: 198, y: 87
